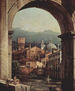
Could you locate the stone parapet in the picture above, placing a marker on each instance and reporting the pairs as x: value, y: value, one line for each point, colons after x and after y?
x: 12, y: 87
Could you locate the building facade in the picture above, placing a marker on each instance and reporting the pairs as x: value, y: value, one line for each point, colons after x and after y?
x: 54, y: 65
x: 21, y: 43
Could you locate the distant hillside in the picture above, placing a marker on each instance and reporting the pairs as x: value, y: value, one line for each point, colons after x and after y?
x: 36, y: 36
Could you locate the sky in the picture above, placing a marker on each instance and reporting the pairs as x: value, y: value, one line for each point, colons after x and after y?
x: 35, y: 20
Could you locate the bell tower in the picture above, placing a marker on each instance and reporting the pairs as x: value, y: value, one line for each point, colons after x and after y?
x: 21, y: 43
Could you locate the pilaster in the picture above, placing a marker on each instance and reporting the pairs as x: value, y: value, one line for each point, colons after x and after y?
x: 68, y: 60
x: 10, y: 53
x: 3, y: 40
x: 73, y: 19
x: 74, y: 62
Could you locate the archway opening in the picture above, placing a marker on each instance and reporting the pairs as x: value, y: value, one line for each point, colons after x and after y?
x: 65, y: 22
x: 35, y: 44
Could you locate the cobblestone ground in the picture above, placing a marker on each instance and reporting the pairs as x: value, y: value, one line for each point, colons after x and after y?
x: 41, y: 85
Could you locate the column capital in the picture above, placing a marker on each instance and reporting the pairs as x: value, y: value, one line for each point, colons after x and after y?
x: 10, y: 33
x: 67, y: 35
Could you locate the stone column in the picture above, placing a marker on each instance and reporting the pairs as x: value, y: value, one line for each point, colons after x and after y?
x: 67, y: 61
x: 73, y: 19
x: 10, y: 52
x: 3, y: 40
x: 74, y: 61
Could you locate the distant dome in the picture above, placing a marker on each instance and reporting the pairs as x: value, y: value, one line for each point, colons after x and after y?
x: 51, y: 46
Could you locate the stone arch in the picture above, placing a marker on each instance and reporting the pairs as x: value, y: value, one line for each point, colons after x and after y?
x: 58, y: 11
x: 65, y: 21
